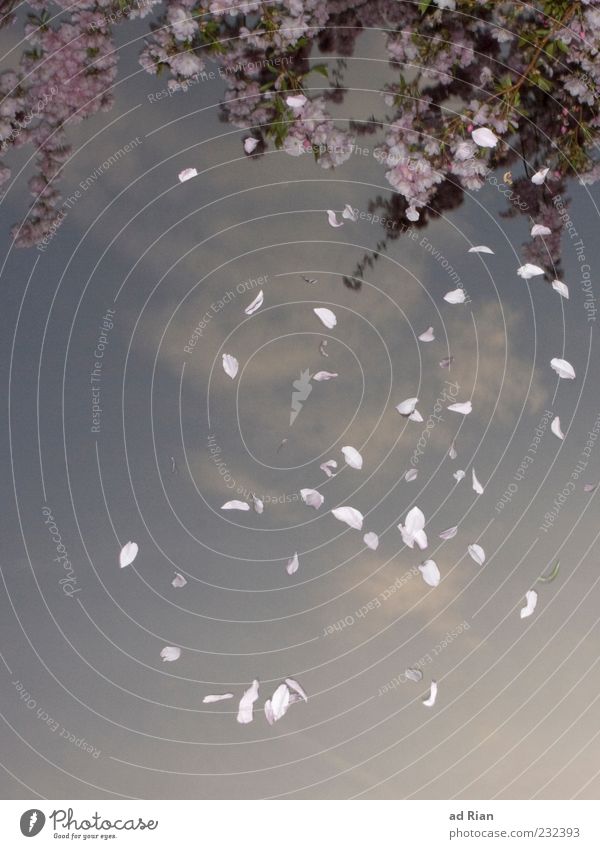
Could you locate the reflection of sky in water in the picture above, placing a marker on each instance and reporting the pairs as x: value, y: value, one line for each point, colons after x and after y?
x: 515, y: 713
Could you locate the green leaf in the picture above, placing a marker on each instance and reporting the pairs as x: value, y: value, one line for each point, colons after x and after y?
x: 321, y: 69
x: 423, y: 6
x: 546, y: 579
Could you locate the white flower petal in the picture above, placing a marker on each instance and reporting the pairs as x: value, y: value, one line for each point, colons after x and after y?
x: 413, y: 674
x: 540, y: 230
x: 590, y: 487
x: 427, y: 335
x: 245, y: 708
x: 459, y: 474
x: 563, y: 368
x: 480, y: 249
x: 178, y: 581
x: 280, y: 701
x: 269, y: 712
x: 350, y: 213
x: 452, y: 452
x: 352, y: 457
x: 128, y: 554
x: 415, y: 416
x: 465, y: 408
x: 561, y: 288
x: 371, y: 540
x: 539, y: 176
x: 292, y: 564
x: 529, y: 270
x: 350, y: 516
x: 256, y: 303
x: 405, y: 408
x: 170, y: 653
x: 295, y: 686
x: 257, y: 504
x: 235, y: 505
x: 483, y: 137
x: 296, y: 101
x: 411, y: 475
x: 449, y: 533
x: 531, y: 598
x: 332, y: 218
x: 412, y: 530
x: 250, y: 144
x: 324, y: 375
x: 187, y: 174
x: 327, y: 317
x: 230, y: 365
x: 477, y: 554
x: 312, y: 497
x: 327, y: 466
x: 429, y: 702
x: 430, y: 573
x: 476, y: 485
x: 208, y: 700
x: 446, y: 362
x: 556, y: 428
x: 456, y: 296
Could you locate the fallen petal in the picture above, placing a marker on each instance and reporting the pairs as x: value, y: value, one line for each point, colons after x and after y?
x: 170, y: 653
x: 427, y: 335
x: 449, y: 533
x: 446, y: 362
x: 411, y: 475
x: 563, y: 368
x: 483, y: 137
x: 350, y: 516
x: 561, y: 288
x: 295, y: 686
x: 556, y: 429
x: 332, y: 218
x: 324, y: 375
x: 352, y: 457
x: 250, y: 144
x: 256, y: 303
x: 208, y: 700
x: 459, y: 474
x: 292, y: 564
x: 128, y: 554
x: 465, y: 408
x: 413, y: 674
x: 539, y: 176
x: 432, y: 695
x: 327, y: 466
x: 235, y: 505
x: 476, y: 485
x: 480, y: 249
x: 257, y: 503
x: 430, y: 573
x: 187, y: 174
x: 405, y: 408
x: 456, y: 296
x: 296, y: 101
x: 350, y: 213
x: 178, y: 581
x: 327, y: 317
x: 477, y: 554
x: 245, y: 709
x: 452, y: 452
x: 312, y: 497
x: 531, y: 598
x: 529, y: 270
x: 371, y: 540
x: 230, y: 365
x: 540, y: 230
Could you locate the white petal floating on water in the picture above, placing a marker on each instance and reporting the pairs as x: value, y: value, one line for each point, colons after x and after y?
x: 128, y: 554
x: 563, y: 368
x: 411, y: 475
x: 187, y: 174
x: 352, y: 457
x: 295, y: 686
x: 218, y: 697
x: 350, y: 213
x: 476, y: 485
x: 170, y: 653
x: 413, y: 674
x: 257, y: 504
x: 178, y: 581
x: 446, y: 362
x: 235, y: 505
x: 480, y: 249
x: 280, y: 702
x: 529, y: 270
x: 250, y: 144
x: 332, y: 218
x: 412, y: 530
x: 327, y: 466
x: 449, y: 533
x: 540, y: 230
x: 292, y: 564
x: 477, y: 554
x: 430, y: 573
x: 429, y: 702
x: 452, y: 452
x: 246, y: 709
x: 531, y: 598
x: 350, y: 516
x: 415, y: 416
x: 465, y: 408
x: 312, y: 497
x: 296, y: 101
x: 427, y: 335
x: 483, y: 137
x: 230, y: 365
x: 405, y: 408
x: 456, y: 296
x: 371, y: 540
x: 459, y: 474
x: 539, y: 176
x: 327, y: 316
x: 256, y: 303
x: 556, y: 428
x: 561, y: 288
x: 324, y: 375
